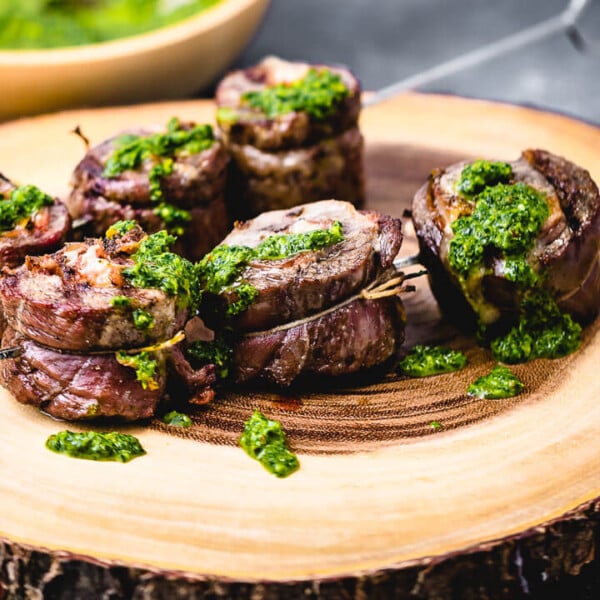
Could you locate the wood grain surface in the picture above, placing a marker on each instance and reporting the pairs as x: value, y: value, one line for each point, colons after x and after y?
x: 381, y: 497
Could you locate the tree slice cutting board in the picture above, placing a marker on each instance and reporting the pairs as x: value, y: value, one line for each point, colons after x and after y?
x: 502, y: 501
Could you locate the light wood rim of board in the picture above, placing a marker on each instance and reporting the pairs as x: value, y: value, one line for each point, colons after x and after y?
x: 208, y: 510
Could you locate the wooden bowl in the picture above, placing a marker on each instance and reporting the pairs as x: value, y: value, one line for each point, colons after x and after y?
x: 170, y: 62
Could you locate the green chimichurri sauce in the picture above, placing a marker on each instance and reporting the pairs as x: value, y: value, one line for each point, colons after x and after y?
x: 131, y: 151
x: 29, y: 24
x: 265, y: 441
x: 481, y: 174
x: 506, y: 220
x: 145, y: 365
x: 500, y: 382
x: 94, y: 445
x: 21, y: 205
x: 177, y: 419
x: 319, y: 93
x: 142, y: 320
x: 423, y: 361
x: 218, y: 352
x: 221, y: 269
x: 157, y: 267
x: 543, y: 331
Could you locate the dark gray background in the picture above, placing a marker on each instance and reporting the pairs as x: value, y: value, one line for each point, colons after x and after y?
x: 384, y: 41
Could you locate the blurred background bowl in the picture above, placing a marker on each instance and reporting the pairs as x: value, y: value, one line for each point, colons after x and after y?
x: 171, y: 62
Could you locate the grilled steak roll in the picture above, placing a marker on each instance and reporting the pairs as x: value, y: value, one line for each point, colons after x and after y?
x: 76, y: 386
x: 348, y: 338
x: 243, y: 121
x: 99, y: 327
x: 163, y: 179
x: 453, y: 216
x: 292, y: 286
x: 262, y: 181
x: 80, y: 298
x: 31, y: 222
x: 304, y: 283
x: 292, y: 132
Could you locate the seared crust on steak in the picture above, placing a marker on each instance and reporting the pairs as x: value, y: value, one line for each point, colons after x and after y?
x: 573, y: 267
x: 567, y: 250
x: 358, y: 335
x: 76, y: 387
x: 262, y: 181
x: 196, y: 178
x: 63, y: 300
x: 308, y: 282
x: 290, y: 130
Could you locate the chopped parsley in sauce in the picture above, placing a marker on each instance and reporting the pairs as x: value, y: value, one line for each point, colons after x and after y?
x: 319, y: 93
x: 177, y: 419
x: 221, y: 270
x: 423, y: 361
x: 500, y: 382
x: 504, y: 225
x: 543, y: 331
x: 157, y: 267
x: 264, y: 440
x: 480, y: 174
x: 132, y: 151
x: 506, y: 219
x: 21, y: 205
x: 93, y: 445
x: 218, y: 352
x: 145, y: 365
x: 142, y: 320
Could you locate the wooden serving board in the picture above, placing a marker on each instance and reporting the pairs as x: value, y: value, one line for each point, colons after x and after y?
x: 501, y: 501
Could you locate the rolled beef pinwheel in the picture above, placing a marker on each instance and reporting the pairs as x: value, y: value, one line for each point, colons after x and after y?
x: 512, y: 250
x: 309, y: 290
x: 95, y: 329
x: 292, y: 131
x: 171, y: 179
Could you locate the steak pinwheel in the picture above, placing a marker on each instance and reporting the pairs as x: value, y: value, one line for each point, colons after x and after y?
x: 512, y: 250
x: 104, y: 313
x: 292, y: 132
x: 307, y: 290
x: 31, y: 222
x: 172, y: 179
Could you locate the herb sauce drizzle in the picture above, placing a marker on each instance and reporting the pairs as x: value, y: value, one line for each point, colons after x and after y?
x: 265, y: 440
x: 132, y: 151
x: 93, y: 445
x: 21, y: 205
x: 505, y: 222
x: 319, y: 93
x: 423, y: 361
x: 500, y: 382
